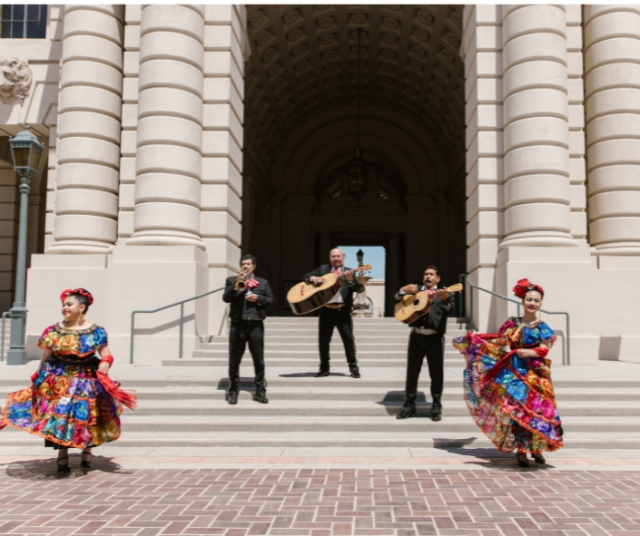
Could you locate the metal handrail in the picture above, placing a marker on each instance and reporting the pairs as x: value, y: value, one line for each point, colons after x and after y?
x: 5, y: 315
x: 181, y: 304
x: 464, y: 277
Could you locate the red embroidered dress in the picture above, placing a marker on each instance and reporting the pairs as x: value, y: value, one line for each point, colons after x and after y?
x: 514, y: 406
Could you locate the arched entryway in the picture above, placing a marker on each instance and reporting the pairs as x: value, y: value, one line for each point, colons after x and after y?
x: 310, y: 89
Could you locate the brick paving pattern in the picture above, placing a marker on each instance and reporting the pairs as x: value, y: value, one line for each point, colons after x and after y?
x: 496, y: 500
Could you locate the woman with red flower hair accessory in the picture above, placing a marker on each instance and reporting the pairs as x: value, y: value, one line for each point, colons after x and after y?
x: 72, y: 401
x: 509, y: 393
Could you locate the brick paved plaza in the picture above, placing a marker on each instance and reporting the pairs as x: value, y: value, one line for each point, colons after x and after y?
x: 321, y: 497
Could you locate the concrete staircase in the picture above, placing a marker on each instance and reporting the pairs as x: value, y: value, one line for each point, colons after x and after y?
x: 183, y: 404
x: 293, y: 342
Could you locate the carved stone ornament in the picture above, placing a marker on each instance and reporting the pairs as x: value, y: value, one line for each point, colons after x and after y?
x: 16, y: 79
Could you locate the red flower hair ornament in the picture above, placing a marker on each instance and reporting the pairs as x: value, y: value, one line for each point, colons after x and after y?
x: 524, y: 285
x: 80, y: 291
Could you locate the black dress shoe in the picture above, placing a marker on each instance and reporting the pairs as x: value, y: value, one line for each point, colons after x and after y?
x: 436, y: 408
x: 355, y: 373
x: 322, y: 373
x: 406, y: 413
x: 521, y: 458
x: 261, y: 396
x: 232, y: 397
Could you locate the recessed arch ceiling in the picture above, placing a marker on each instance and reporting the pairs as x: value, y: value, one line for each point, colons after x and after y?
x: 304, y: 61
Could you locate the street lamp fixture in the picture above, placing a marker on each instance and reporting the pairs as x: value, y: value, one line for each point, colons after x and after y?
x: 26, y: 151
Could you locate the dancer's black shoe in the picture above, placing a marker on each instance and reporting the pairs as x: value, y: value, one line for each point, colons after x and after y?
x: 232, y: 397
x: 85, y: 464
x: 261, y: 396
x: 322, y: 373
x: 521, y: 457
x: 63, y: 467
x: 539, y: 458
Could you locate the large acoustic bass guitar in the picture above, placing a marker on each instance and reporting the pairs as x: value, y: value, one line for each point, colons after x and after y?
x: 413, y: 306
x: 307, y: 297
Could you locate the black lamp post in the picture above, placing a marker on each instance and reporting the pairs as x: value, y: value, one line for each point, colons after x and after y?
x: 26, y: 151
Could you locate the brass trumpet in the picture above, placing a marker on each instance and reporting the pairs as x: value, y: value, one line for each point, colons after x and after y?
x: 241, y: 280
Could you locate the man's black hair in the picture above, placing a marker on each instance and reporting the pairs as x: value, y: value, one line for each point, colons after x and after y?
x: 432, y: 267
x: 252, y: 258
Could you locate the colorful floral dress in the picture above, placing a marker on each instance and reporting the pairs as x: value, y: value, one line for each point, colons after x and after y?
x: 66, y: 404
x: 515, y: 405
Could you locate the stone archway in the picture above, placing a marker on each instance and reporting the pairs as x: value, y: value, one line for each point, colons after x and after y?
x: 301, y: 101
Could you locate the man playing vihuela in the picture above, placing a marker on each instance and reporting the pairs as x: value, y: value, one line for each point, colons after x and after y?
x: 250, y: 297
x: 337, y: 313
x: 427, y: 339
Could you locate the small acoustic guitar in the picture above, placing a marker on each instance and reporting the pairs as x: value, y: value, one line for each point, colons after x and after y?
x: 307, y: 297
x: 413, y: 306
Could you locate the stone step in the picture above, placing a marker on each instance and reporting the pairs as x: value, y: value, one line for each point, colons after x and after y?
x: 267, y: 424
x: 218, y: 407
x: 284, y: 379
x: 308, y: 352
x: 312, y: 361
x: 395, y: 344
x: 452, y: 394
x: 211, y: 440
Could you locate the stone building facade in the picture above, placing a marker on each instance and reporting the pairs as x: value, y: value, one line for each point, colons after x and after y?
x: 498, y: 141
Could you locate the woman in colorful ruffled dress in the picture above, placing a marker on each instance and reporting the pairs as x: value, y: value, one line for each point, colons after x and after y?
x: 509, y: 393
x: 72, y: 402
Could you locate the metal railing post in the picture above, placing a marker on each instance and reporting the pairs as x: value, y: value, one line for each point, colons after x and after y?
x: 133, y: 320
x: 181, y: 328
x: 472, y: 321
x: 181, y: 304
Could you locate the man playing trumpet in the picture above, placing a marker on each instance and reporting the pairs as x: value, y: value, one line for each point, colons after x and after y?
x: 250, y: 297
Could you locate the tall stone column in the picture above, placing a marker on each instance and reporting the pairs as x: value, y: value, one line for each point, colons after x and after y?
x: 169, y: 138
x: 536, y: 127
x: 88, y: 151
x: 612, y: 79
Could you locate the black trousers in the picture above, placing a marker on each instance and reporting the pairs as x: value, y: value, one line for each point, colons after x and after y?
x: 431, y: 346
x: 341, y: 319
x: 241, y: 333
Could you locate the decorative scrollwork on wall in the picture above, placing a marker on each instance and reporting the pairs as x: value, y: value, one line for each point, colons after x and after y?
x: 15, y: 83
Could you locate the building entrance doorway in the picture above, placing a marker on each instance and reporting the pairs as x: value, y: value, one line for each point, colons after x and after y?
x: 354, y: 130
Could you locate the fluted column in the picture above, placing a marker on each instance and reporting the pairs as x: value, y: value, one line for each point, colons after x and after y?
x: 536, y: 128
x: 90, y: 107
x: 612, y: 82
x: 169, y: 138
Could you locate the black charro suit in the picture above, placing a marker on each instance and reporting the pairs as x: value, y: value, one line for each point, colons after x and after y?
x: 340, y: 318
x: 431, y: 346
x: 247, y: 326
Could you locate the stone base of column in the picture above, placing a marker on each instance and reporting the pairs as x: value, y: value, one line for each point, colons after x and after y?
x: 167, y: 238
x: 619, y: 248
x: 131, y: 278
x: 599, y: 297
x: 76, y: 247
x: 537, y: 239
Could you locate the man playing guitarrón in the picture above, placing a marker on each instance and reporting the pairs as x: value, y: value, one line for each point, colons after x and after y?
x: 427, y: 339
x: 250, y: 297
x: 337, y: 313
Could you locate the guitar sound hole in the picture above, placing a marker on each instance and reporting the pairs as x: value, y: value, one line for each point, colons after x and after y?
x: 416, y: 303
